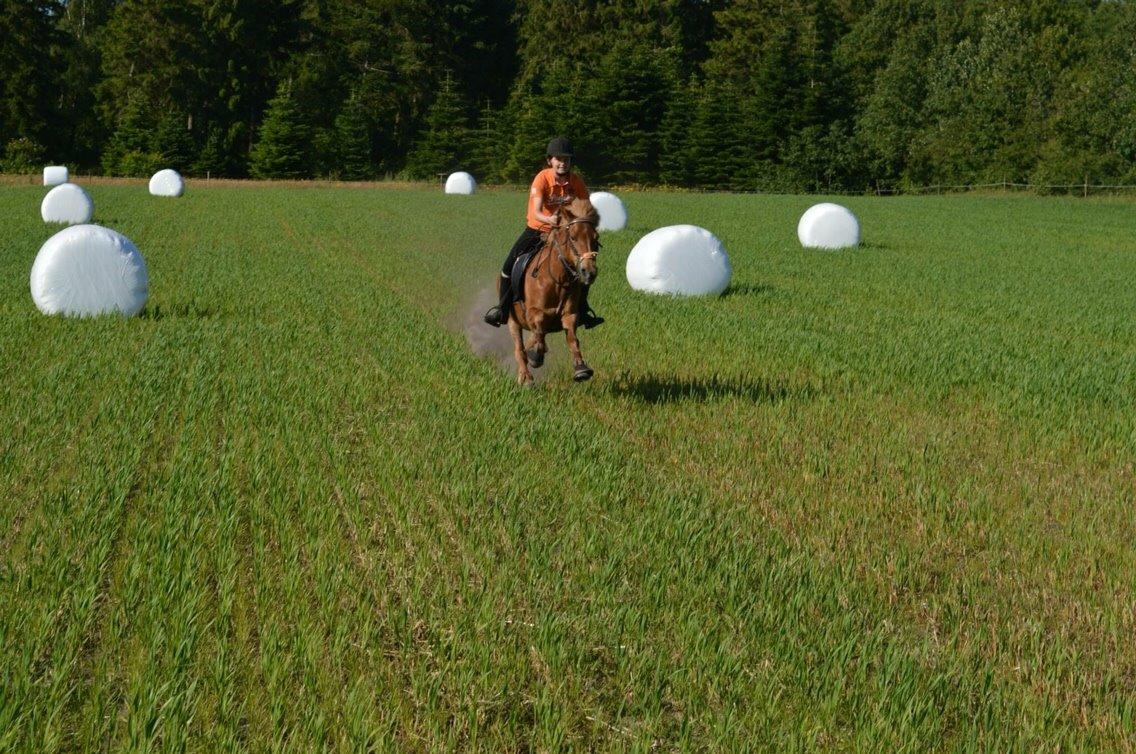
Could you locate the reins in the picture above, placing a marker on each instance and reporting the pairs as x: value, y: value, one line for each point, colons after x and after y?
x: 555, y: 242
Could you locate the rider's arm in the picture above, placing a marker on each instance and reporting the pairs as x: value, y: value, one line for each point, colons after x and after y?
x: 537, y: 201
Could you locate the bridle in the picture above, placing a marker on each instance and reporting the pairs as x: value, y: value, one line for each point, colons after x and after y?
x: 558, y: 245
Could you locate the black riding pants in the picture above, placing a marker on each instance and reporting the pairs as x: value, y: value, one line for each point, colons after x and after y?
x: 528, y: 241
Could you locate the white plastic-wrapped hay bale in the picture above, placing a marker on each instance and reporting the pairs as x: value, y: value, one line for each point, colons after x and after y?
x: 67, y: 203
x: 86, y: 270
x: 167, y: 183
x: 828, y: 226
x: 54, y: 175
x: 682, y: 260
x: 460, y: 183
x: 613, y: 215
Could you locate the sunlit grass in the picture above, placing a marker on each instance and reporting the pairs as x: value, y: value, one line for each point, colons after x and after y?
x: 875, y: 499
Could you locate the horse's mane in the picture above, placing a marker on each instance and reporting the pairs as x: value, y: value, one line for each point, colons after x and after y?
x: 582, y: 209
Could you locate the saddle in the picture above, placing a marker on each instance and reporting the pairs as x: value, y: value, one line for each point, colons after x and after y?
x: 517, y: 274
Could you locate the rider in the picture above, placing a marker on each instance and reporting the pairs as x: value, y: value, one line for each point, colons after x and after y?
x: 554, y: 186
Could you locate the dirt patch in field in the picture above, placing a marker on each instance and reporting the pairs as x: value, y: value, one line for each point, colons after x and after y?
x: 492, y: 343
x: 495, y: 343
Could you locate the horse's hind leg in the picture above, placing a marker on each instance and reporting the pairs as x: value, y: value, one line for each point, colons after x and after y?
x: 580, y: 369
x: 524, y: 376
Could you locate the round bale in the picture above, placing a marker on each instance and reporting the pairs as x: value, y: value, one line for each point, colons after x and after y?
x: 828, y: 226
x: 460, y: 183
x: 86, y: 270
x: 613, y: 215
x: 682, y: 260
x: 54, y: 175
x: 167, y: 183
x: 67, y: 203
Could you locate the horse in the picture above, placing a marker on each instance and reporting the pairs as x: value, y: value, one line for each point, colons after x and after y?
x: 554, y: 284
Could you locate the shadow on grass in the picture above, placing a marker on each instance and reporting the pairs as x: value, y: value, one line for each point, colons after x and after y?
x: 748, y: 289
x: 658, y: 389
x: 172, y: 311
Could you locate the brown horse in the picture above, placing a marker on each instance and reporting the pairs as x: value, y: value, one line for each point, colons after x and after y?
x: 554, y: 284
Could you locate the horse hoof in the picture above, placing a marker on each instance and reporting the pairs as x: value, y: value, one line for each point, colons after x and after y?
x: 535, y: 358
x: 583, y: 372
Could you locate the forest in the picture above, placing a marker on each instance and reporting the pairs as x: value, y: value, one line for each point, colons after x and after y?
x: 744, y: 95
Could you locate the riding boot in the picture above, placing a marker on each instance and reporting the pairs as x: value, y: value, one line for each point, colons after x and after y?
x: 586, y: 317
x: 499, y: 314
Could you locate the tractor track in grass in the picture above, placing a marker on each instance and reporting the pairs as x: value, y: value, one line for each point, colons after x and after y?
x: 154, y: 462
x: 65, y: 460
x: 926, y: 551
x: 444, y: 525
x: 649, y: 449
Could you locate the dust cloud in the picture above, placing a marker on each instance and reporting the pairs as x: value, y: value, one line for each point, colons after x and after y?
x: 495, y: 343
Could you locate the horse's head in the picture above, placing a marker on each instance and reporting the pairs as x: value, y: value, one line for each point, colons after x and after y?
x: 579, y: 219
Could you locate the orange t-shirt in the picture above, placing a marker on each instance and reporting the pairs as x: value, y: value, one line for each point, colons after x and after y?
x: 553, y: 193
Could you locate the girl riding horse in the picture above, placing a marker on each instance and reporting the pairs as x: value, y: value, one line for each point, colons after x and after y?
x: 552, y: 188
x: 553, y: 289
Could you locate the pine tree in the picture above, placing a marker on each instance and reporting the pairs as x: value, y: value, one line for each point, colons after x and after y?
x: 129, y: 152
x: 83, y: 131
x: 622, y: 102
x: 29, y: 68
x: 676, y: 159
x: 488, y: 151
x: 173, y: 140
x: 529, y: 132
x: 215, y: 158
x: 353, y: 141
x: 153, y: 53
x: 721, y: 153
x: 283, y: 147
x: 443, y: 143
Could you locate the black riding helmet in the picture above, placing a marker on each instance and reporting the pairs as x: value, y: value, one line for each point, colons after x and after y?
x: 559, y: 147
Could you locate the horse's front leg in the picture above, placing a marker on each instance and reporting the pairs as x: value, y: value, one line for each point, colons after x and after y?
x: 524, y: 376
x: 535, y: 349
x: 580, y: 369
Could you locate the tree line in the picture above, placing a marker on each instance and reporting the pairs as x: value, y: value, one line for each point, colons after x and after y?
x: 773, y: 95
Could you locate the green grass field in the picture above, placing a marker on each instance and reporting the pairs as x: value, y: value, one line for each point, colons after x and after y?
x: 878, y: 500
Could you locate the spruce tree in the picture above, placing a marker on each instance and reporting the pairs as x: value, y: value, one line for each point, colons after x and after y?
x: 529, y: 132
x: 443, y: 143
x: 29, y: 69
x: 283, y: 144
x: 488, y: 150
x: 174, y: 142
x: 129, y: 151
x: 721, y: 152
x: 622, y: 104
x: 676, y: 163
x: 215, y: 157
x: 83, y: 130
x: 353, y: 141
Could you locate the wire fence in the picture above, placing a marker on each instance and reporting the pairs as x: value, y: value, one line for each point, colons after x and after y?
x: 1069, y: 189
x: 1084, y: 189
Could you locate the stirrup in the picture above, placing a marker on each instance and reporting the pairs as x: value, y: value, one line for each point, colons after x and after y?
x: 590, y: 319
x: 493, y: 317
